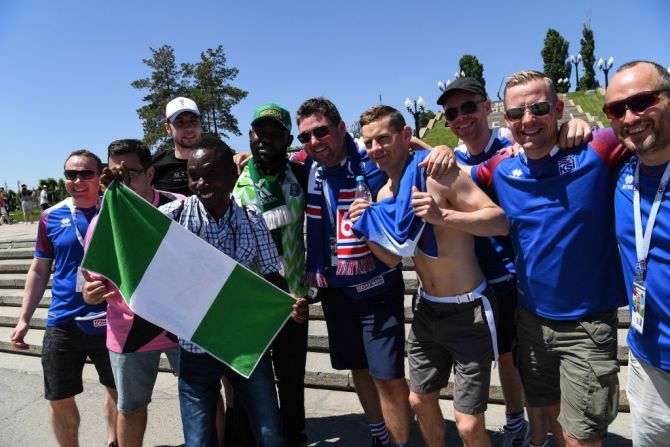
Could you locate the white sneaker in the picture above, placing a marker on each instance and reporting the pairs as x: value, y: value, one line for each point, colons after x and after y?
x: 518, y: 439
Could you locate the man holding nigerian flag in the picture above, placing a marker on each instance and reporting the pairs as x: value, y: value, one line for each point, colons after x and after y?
x: 225, y: 315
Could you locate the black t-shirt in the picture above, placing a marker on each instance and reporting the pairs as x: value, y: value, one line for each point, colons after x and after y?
x: 170, y: 173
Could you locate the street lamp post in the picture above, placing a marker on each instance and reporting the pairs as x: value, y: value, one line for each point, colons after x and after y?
x: 563, y: 82
x: 576, y: 60
x: 443, y: 85
x: 415, y: 107
x: 605, y: 66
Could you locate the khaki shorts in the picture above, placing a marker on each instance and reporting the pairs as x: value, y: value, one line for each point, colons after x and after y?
x: 578, y: 358
x: 451, y: 335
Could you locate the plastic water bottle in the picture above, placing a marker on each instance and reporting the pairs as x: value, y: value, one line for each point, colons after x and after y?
x: 362, y: 190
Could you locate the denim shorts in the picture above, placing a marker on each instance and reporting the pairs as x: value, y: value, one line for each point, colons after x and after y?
x: 135, y: 376
x: 367, y: 333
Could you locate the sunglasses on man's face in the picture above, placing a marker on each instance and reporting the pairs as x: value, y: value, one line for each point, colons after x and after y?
x: 537, y: 109
x: 72, y: 174
x: 637, y: 103
x: 318, y: 132
x: 467, y: 108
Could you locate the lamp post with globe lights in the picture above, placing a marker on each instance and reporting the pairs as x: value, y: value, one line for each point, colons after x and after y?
x: 443, y: 85
x: 563, y: 82
x: 576, y: 60
x: 415, y: 108
x: 605, y: 66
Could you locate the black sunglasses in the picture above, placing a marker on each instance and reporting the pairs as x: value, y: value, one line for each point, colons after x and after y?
x: 467, y: 108
x: 637, y: 103
x: 72, y: 174
x: 318, y: 132
x: 537, y: 109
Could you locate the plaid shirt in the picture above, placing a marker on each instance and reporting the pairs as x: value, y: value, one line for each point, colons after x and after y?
x: 240, y: 234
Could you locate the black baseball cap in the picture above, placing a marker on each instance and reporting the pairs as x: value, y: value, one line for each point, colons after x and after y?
x: 466, y: 84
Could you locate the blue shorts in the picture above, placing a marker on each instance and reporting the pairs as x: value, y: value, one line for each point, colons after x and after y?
x: 135, y: 376
x: 368, y: 333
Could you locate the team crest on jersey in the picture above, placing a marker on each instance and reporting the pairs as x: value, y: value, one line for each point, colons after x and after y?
x: 65, y: 222
x: 628, y: 182
x: 516, y: 173
x: 567, y: 164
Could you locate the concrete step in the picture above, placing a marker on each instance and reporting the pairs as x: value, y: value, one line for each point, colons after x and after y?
x: 333, y: 417
x: 319, y: 373
x: 15, y: 265
x: 17, y: 253
x: 14, y: 297
x: 14, y: 280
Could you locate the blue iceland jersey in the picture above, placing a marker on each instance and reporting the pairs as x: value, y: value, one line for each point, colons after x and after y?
x: 57, y: 240
x: 653, y: 346
x: 561, y: 215
x: 495, y: 253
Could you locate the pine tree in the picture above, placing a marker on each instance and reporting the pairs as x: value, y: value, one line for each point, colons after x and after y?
x: 588, y: 80
x: 470, y: 65
x: 555, y: 55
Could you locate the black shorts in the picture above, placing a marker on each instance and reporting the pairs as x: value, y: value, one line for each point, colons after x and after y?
x: 506, y: 294
x: 64, y: 352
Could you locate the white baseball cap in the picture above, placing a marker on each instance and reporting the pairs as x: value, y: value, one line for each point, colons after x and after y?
x: 180, y: 105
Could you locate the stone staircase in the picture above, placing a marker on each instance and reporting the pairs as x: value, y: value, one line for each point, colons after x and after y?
x: 16, y: 256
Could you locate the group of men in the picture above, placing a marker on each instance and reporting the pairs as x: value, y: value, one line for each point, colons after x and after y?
x: 524, y: 272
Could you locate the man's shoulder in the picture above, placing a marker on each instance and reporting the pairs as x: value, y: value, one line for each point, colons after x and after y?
x: 164, y: 156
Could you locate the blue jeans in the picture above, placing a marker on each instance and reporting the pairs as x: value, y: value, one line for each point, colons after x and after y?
x: 199, y: 385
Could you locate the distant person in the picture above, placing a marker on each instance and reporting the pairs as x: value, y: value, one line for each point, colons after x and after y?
x: 27, y: 206
x: 44, y: 198
x: 182, y: 123
x: 74, y: 330
x: 638, y: 104
x: 4, y: 215
x: 134, y: 344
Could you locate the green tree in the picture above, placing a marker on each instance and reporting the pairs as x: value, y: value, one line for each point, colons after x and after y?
x: 165, y: 83
x: 588, y: 80
x: 555, y: 55
x: 355, y: 129
x: 212, y: 91
x: 425, y: 117
x: 470, y: 65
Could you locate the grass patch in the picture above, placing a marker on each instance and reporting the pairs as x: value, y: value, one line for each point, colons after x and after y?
x: 440, y: 135
x: 591, y: 103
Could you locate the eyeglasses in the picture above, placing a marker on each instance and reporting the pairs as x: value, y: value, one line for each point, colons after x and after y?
x: 85, y: 174
x: 318, y: 132
x: 537, y: 109
x: 467, y: 108
x: 637, y: 103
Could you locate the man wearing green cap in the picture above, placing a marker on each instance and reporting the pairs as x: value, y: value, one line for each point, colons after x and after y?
x: 277, y: 188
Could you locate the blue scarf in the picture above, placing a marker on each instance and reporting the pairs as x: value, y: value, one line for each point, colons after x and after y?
x: 392, y: 223
x: 330, y: 192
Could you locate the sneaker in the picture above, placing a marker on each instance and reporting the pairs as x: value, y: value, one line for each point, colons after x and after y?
x: 518, y: 439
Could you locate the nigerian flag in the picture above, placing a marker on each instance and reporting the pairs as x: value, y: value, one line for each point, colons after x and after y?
x: 176, y: 280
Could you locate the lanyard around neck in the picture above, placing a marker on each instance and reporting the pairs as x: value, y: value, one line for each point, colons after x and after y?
x: 643, y: 242
x: 73, y: 212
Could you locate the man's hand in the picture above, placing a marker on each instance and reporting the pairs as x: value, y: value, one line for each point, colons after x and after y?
x: 95, y: 292
x: 512, y: 150
x: 573, y: 133
x: 18, y: 334
x: 356, y: 209
x: 440, y: 160
x: 241, y: 159
x: 119, y: 174
x: 300, y: 312
x: 425, y: 207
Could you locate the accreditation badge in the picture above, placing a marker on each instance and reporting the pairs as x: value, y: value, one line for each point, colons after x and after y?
x: 639, y: 296
x: 80, y: 281
x: 333, y: 252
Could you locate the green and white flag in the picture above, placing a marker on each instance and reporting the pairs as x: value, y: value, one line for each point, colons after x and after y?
x: 174, y: 279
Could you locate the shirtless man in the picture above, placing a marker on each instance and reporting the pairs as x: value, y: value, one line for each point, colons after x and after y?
x: 453, y: 320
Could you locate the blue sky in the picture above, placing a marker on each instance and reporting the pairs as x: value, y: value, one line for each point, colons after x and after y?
x: 67, y: 66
